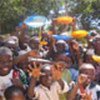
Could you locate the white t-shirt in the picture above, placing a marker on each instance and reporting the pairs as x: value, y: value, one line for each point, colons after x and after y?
x: 5, y: 82
x: 22, y: 52
x: 43, y: 93
x: 93, y: 91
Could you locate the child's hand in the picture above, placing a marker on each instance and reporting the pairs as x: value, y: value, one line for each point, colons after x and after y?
x: 76, y: 47
x: 34, y: 72
x: 81, y: 80
x: 87, y: 96
x: 56, y: 74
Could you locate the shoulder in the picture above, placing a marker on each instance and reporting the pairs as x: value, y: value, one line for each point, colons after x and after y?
x: 57, y: 86
x: 94, y: 86
x: 97, y: 87
x: 38, y: 89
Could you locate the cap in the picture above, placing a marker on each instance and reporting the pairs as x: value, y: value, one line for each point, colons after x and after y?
x: 5, y: 50
x: 86, y: 66
x: 13, y: 40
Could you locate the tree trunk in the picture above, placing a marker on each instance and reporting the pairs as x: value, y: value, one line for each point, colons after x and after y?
x: 0, y: 29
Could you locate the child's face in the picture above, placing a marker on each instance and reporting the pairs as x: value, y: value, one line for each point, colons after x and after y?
x: 90, y: 74
x: 5, y: 64
x: 17, y: 96
x: 34, y: 44
x: 46, y: 79
x: 60, y: 47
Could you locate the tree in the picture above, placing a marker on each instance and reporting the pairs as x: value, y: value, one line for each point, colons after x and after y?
x: 10, y: 13
x: 14, y: 11
x: 86, y: 10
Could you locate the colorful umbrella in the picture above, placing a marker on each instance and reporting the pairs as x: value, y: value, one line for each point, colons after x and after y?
x: 96, y: 58
x: 36, y: 21
x: 79, y: 34
x: 64, y: 20
x: 62, y: 37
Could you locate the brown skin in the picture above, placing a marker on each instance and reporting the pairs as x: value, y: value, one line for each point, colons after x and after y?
x: 30, y: 92
x: 97, y: 76
x: 75, y: 50
x: 17, y: 82
x: 97, y: 46
x: 1, y: 98
x: 34, y: 44
x: 23, y: 38
x: 65, y: 59
x: 60, y: 65
x: 90, y: 73
x: 17, y: 96
x: 60, y: 48
x: 49, y: 37
x: 87, y: 80
x: 1, y: 39
x: 46, y: 80
x: 23, y: 65
x: 6, y: 63
x: 24, y: 58
x: 73, y: 24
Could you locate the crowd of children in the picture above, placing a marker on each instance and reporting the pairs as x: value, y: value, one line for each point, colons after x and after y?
x: 49, y: 67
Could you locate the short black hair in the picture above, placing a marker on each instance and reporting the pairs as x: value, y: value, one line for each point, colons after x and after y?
x: 11, y: 90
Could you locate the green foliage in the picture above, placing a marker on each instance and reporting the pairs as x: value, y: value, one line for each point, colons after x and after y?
x: 10, y: 11
x: 85, y: 8
x: 14, y: 11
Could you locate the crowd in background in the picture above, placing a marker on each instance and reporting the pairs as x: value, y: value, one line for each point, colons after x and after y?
x: 50, y: 66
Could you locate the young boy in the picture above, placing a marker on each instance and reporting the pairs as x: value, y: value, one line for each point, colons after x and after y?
x: 14, y: 93
x: 47, y: 89
x: 5, y: 69
x: 85, y: 88
x: 8, y: 76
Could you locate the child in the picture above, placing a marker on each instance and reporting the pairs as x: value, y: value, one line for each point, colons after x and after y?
x: 14, y: 93
x: 85, y: 88
x: 47, y: 89
x: 96, y: 43
x: 8, y: 76
x: 5, y: 69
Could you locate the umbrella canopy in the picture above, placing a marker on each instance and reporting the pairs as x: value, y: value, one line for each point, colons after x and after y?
x: 64, y: 20
x: 62, y: 37
x: 79, y: 34
x: 36, y: 21
x: 96, y: 58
